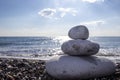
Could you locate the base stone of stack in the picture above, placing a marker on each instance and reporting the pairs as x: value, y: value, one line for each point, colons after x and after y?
x: 70, y: 67
x: 80, y: 47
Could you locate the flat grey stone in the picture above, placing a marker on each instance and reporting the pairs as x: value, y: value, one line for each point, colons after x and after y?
x: 80, y: 47
x: 71, y: 67
x: 79, y: 32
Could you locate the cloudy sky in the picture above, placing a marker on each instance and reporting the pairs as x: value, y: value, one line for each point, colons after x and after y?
x: 56, y: 17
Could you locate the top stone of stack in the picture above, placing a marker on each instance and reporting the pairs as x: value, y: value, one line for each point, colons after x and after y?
x: 79, y: 32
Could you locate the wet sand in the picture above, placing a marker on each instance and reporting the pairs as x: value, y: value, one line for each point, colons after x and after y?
x: 27, y: 69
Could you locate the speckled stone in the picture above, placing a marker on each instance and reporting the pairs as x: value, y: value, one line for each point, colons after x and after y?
x: 80, y: 47
x: 72, y: 67
x: 79, y: 32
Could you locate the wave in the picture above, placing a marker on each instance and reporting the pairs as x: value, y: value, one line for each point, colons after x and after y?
x: 48, y: 46
x: 109, y: 52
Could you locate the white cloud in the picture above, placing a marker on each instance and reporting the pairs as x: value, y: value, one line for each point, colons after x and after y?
x: 47, y: 12
x: 93, y: 1
x: 57, y: 13
x: 94, y: 23
x: 64, y: 11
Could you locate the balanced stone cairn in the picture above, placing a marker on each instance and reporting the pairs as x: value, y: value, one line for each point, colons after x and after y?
x: 78, y: 61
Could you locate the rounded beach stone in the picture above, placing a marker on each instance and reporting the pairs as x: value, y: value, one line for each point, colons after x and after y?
x: 72, y: 67
x: 79, y: 32
x: 80, y: 47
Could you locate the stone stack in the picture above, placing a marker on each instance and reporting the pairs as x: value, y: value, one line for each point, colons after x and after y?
x: 79, y: 63
x: 79, y: 46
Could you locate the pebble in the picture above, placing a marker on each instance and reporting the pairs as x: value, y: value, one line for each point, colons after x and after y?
x: 80, y: 47
x: 79, y: 32
x: 21, y: 69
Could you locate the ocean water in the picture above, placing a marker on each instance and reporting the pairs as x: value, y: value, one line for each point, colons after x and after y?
x: 32, y: 47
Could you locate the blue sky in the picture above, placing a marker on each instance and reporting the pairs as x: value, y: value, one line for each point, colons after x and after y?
x: 56, y: 17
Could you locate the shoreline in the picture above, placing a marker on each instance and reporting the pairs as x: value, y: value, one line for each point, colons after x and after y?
x: 31, y: 69
x: 115, y: 59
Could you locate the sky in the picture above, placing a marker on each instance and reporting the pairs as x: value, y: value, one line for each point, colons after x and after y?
x: 56, y: 17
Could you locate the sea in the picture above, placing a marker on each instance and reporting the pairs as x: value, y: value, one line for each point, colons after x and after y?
x: 46, y: 47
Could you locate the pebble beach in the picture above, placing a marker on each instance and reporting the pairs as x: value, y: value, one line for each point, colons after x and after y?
x: 27, y: 69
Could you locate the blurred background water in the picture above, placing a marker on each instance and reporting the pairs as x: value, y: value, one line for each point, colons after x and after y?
x: 47, y: 46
